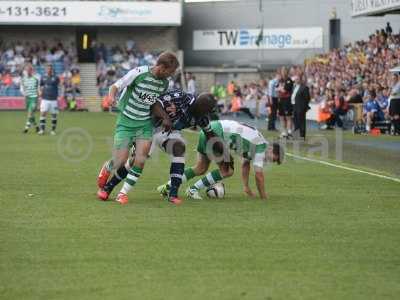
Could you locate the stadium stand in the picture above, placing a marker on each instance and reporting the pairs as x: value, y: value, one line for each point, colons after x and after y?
x: 114, y: 62
x: 14, y: 56
x: 341, y: 77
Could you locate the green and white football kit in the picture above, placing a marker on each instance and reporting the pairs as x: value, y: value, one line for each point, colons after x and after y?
x: 242, y: 139
x: 30, y: 89
x: 140, y: 89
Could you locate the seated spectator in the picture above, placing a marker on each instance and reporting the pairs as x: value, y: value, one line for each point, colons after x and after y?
x: 117, y: 57
x: 325, y: 116
x: 76, y: 81
x: 130, y: 44
x: 325, y: 111
x: 354, y: 96
x: 371, y: 109
x: 340, y: 108
x: 7, y: 80
x: 237, y: 104
x: 383, y: 102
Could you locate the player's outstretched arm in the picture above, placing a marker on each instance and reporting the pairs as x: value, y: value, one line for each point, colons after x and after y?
x: 245, y: 178
x: 112, y: 93
x: 123, y: 82
x: 259, y: 176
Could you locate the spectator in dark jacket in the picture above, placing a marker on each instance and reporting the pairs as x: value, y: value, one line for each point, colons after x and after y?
x: 300, y: 100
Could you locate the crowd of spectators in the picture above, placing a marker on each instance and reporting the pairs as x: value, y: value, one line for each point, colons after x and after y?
x: 250, y: 99
x: 356, y: 73
x: 15, y: 56
x: 337, y: 80
x: 113, y: 62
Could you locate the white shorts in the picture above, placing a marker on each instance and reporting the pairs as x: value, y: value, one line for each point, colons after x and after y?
x: 160, y: 137
x: 49, y: 105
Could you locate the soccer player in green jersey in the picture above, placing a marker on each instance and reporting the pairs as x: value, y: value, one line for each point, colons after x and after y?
x: 246, y: 142
x: 140, y: 89
x: 30, y: 88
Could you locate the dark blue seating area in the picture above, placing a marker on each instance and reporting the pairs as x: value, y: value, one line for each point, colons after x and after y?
x: 10, y: 91
x: 14, y: 91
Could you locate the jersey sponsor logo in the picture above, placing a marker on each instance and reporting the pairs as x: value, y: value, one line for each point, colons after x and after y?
x: 148, y: 98
x: 167, y: 98
x: 144, y: 97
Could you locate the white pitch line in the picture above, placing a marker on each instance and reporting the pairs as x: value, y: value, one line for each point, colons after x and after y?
x: 322, y: 162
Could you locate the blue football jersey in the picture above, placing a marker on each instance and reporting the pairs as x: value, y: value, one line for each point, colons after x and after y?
x: 182, y: 118
x: 383, y: 103
x: 371, y: 106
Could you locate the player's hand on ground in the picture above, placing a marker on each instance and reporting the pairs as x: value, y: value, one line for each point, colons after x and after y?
x: 249, y: 192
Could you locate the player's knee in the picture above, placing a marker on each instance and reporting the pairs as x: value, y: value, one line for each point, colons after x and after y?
x: 116, y: 164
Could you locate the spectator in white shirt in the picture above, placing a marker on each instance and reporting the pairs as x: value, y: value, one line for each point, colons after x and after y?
x: 130, y: 44
x: 191, y: 84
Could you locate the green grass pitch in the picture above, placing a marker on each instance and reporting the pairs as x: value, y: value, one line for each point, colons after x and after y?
x: 324, y: 233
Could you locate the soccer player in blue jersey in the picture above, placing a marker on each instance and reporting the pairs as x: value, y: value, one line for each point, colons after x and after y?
x: 185, y: 110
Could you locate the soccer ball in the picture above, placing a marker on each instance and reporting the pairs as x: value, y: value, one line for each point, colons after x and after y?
x: 216, y: 191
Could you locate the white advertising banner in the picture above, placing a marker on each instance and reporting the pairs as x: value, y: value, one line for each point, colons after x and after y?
x: 91, y: 12
x: 247, y: 39
x: 366, y: 7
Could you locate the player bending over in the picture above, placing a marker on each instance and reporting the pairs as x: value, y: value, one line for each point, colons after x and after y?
x: 184, y: 110
x: 140, y: 89
x: 245, y: 141
x: 30, y: 88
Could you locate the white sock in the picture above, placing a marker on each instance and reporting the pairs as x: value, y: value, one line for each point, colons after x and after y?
x: 131, y: 179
